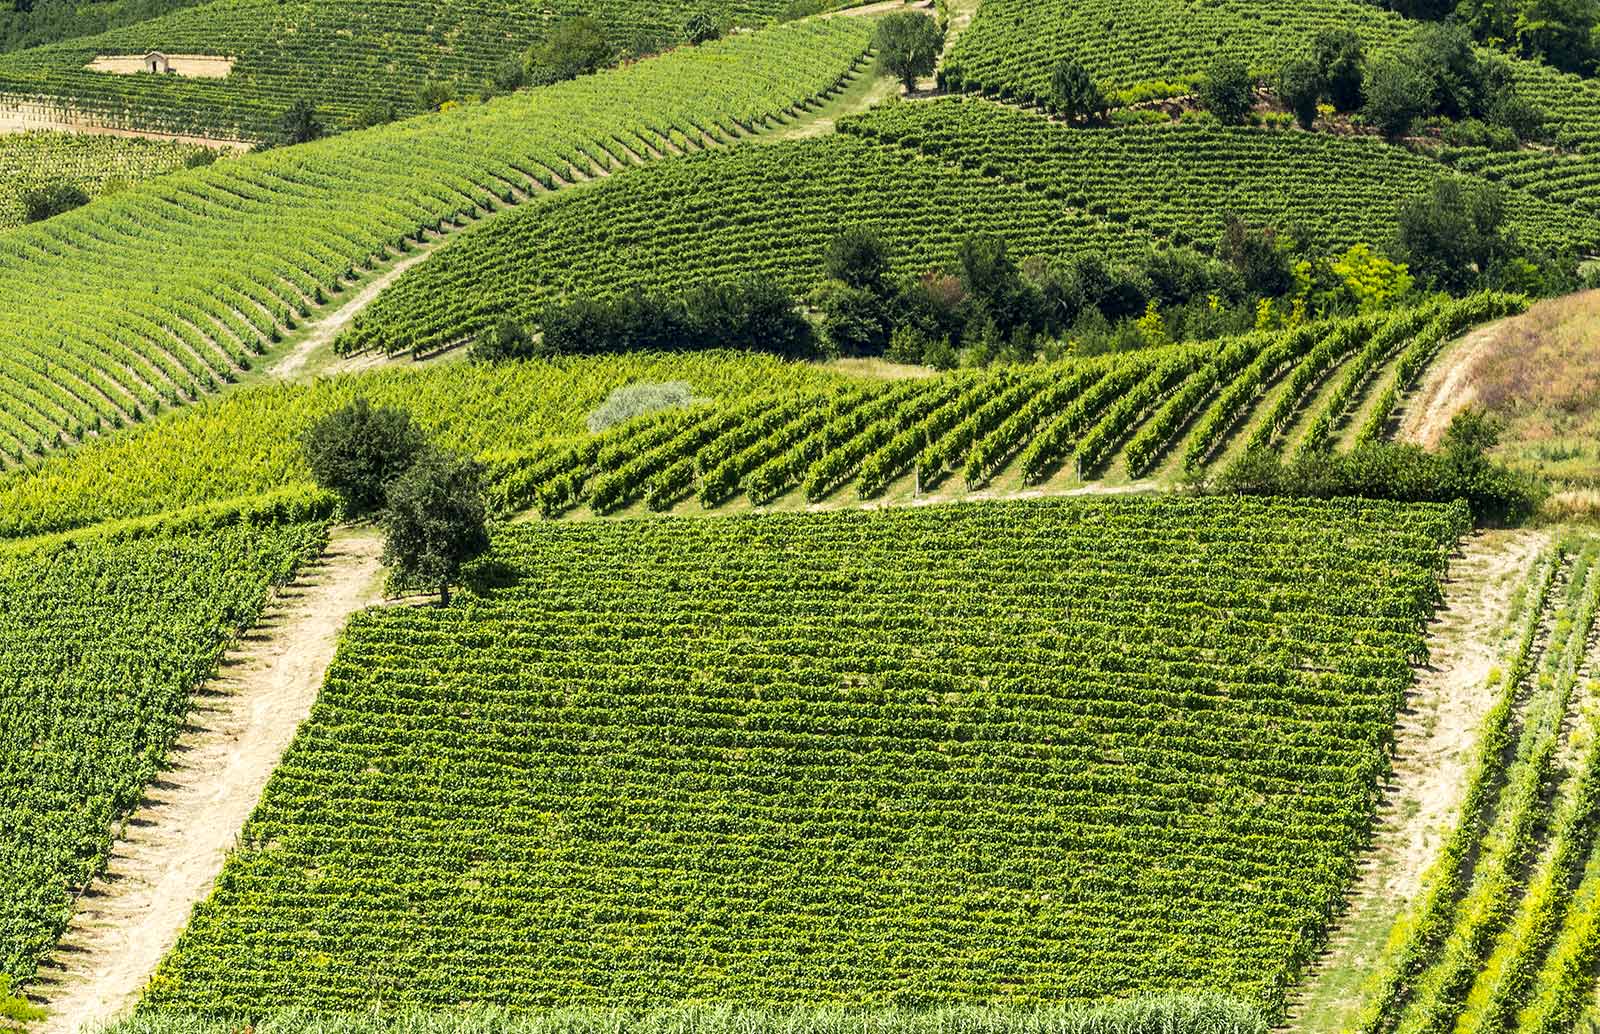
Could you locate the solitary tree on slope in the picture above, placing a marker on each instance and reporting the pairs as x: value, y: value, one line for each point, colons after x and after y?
x: 436, y: 521
x: 908, y: 46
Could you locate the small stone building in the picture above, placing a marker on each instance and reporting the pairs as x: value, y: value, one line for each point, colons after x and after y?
x: 157, y: 62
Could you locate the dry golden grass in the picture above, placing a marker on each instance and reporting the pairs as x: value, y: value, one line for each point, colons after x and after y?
x: 1541, y: 375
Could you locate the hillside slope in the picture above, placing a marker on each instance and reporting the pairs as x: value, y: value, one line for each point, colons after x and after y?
x: 164, y: 293
x: 818, y: 734
x: 345, y: 57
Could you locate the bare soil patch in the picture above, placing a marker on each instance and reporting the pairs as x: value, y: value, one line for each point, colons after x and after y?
x: 171, y: 849
x: 1434, y: 742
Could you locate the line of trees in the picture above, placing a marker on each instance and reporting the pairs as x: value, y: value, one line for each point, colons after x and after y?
x: 1564, y: 33
x: 987, y: 305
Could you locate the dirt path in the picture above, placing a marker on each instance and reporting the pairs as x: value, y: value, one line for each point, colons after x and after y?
x: 331, y: 324
x: 15, y: 118
x: 172, y: 847
x: 1447, y: 387
x: 1434, y: 743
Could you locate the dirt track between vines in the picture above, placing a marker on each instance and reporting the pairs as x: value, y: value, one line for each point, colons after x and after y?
x: 1434, y: 740
x: 171, y: 849
x: 1447, y: 388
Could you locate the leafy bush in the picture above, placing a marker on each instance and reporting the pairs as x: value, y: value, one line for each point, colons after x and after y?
x: 1399, y: 472
x: 701, y: 28
x: 1300, y: 86
x: 752, y: 314
x: 1398, y: 93
x: 576, y: 46
x: 1074, y: 92
x: 44, y: 202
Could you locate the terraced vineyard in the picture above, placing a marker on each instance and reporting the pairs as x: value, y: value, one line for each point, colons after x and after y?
x: 1157, y: 411
x: 93, y: 333
x: 1161, y: 47
x: 94, y: 164
x: 935, y: 753
x: 1172, y: 181
x: 768, y: 210
x: 104, y: 641
x: 345, y: 57
x: 1504, y: 937
x: 921, y: 176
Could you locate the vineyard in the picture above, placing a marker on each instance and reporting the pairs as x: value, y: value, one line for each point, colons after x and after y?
x: 1171, y: 181
x: 1505, y: 935
x: 94, y: 335
x: 935, y: 754
x: 344, y: 57
x: 922, y: 176
x: 1169, y: 412
x: 1162, y: 47
x: 247, y: 442
x: 94, y: 164
x: 104, y: 642
x: 766, y: 210
x: 765, y: 432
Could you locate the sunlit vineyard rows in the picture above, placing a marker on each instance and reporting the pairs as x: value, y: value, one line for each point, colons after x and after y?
x: 930, y: 754
x: 94, y: 164
x: 911, y: 173
x: 1173, y: 180
x: 1128, y: 415
x: 1504, y: 935
x: 1161, y: 47
x: 345, y: 56
x: 247, y: 442
x: 766, y: 210
x: 93, y: 333
x: 103, y: 643
x: 1572, y: 180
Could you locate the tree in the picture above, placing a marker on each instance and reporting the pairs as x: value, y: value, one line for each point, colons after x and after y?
x: 1445, y: 56
x: 41, y: 203
x: 377, y: 113
x: 300, y: 124
x: 507, y: 339
x: 701, y: 28
x: 994, y: 284
x: 1342, y: 66
x: 1228, y: 91
x: 1074, y: 93
x: 855, y: 320
x: 1565, y: 33
x: 1398, y: 93
x: 576, y: 46
x: 1452, y: 236
x: 859, y: 258
x: 908, y: 46
x: 1255, y: 253
x: 357, y: 451
x: 1300, y: 87
x: 1369, y: 280
x: 436, y: 520
x: 1424, y: 10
